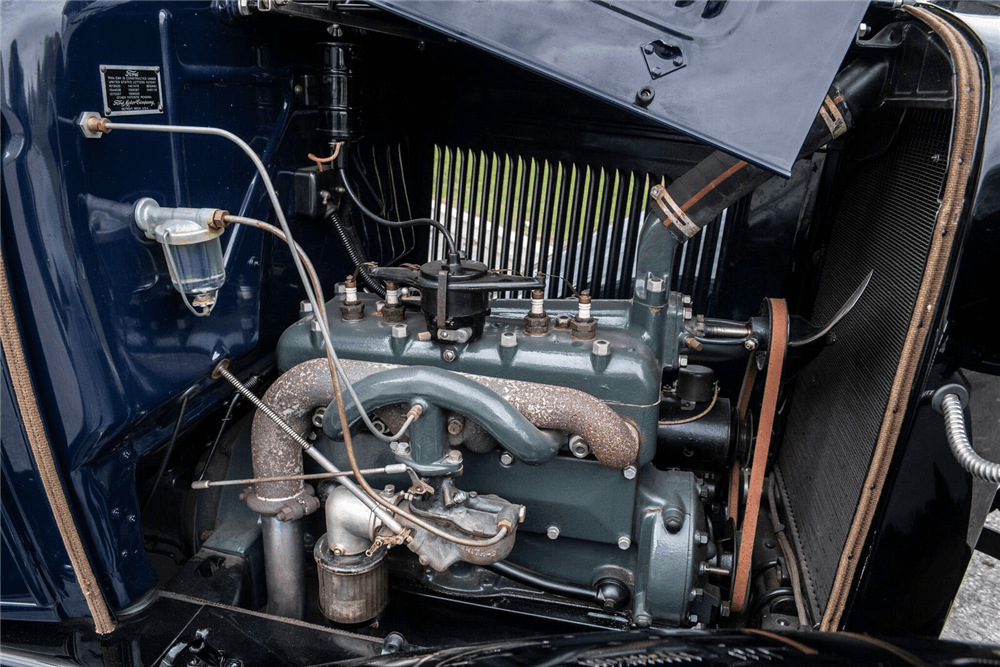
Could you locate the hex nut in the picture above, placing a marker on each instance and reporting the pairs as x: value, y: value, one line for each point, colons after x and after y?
x: 508, y: 339
x: 400, y: 331
x: 624, y: 542
x: 578, y: 447
x: 655, y: 284
x: 750, y: 344
x: 552, y: 532
x: 449, y: 355
x: 601, y: 348
x: 584, y: 329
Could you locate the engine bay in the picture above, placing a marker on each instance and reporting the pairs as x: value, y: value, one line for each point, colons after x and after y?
x: 489, y: 347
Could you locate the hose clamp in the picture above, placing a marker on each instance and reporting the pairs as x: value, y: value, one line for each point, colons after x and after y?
x: 672, y: 214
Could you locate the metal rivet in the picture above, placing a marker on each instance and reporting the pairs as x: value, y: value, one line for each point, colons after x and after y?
x: 552, y: 532
x: 624, y: 542
x: 630, y: 472
x: 601, y: 348
x: 508, y: 339
x: 400, y: 330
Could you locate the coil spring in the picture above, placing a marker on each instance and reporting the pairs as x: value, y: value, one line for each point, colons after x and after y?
x: 958, y: 441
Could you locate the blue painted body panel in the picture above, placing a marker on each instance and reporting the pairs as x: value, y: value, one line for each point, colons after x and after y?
x: 109, y: 343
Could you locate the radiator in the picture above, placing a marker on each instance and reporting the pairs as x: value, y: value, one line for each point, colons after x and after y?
x: 894, y: 171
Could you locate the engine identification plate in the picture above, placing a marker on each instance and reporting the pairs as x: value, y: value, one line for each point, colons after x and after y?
x: 131, y: 90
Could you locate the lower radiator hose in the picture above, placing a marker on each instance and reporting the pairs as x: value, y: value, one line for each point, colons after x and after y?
x: 356, y: 255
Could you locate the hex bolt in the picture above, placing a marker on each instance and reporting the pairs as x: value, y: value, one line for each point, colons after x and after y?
x: 508, y: 339
x: 750, y: 344
x: 449, y: 355
x: 315, y: 326
x: 552, y: 532
x: 682, y: 360
x: 655, y: 284
x: 305, y: 307
x: 601, y: 348
x: 402, y: 448
x: 456, y: 425
x: 629, y: 472
x: 688, y: 313
x: 506, y: 459
x: 673, y: 519
x: 655, y: 192
x: 579, y: 447
x: 400, y: 331
x: 686, y: 299
x: 454, y: 456
x: 624, y: 542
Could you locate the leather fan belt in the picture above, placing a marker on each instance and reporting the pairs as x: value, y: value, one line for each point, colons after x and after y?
x: 758, y: 464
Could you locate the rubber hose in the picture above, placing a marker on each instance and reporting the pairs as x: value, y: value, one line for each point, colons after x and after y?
x: 700, y: 195
x: 356, y: 255
x: 958, y: 442
x: 535, y: 580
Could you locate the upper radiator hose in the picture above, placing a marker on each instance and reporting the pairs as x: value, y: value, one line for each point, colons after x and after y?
x: 720, y: 180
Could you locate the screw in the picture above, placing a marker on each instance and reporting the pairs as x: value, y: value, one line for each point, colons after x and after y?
x: 506, y: 459
x: 750, y: 344
x: 552, y: 532
x: 400, y: 331
x: 449, y: 355
x: 624, y: 542
x: 508, y: 339
x: 629, y: 472
x: 601, y: 348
